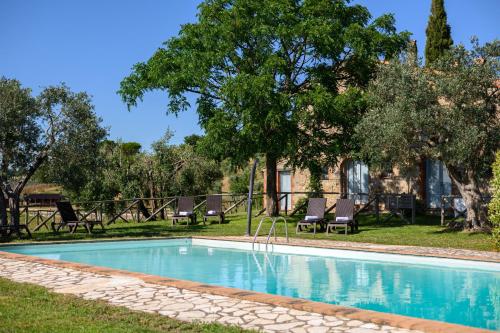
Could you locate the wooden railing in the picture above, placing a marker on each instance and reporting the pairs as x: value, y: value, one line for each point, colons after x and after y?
x: 153, y: 208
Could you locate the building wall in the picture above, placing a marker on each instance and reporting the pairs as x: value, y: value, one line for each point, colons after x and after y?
x: 392, y: 181
x: 336, y: 184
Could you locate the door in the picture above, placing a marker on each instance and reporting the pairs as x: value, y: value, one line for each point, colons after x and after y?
x: 285, y: 179
x: 438, y: 183
x: 357, y: 181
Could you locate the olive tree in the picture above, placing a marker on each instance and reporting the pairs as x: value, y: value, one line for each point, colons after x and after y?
x: 57, y: 127
x: 448, y: 111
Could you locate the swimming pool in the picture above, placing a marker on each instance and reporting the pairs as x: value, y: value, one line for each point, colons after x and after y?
x: 449, y: 290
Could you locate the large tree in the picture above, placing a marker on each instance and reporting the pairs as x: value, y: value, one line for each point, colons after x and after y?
x: 438, y: 33
x: 268, y: 72
x: 56, y: 127
x: 448, y: 112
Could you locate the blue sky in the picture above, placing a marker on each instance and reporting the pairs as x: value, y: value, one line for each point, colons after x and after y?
x: 91, y: 45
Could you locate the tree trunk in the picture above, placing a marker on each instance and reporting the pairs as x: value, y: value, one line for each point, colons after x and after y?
x: 467, y: 184
x: 272, y: 208
x: 14, y: 210
x: 3, y: 209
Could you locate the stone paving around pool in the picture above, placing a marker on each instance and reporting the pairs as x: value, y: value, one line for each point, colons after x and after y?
x: 182, y: 304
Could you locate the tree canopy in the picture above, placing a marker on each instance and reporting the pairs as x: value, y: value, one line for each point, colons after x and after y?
x: 272, y: 77
x: 448, y: 112
x: 124, y: 170
x: 57, y: 127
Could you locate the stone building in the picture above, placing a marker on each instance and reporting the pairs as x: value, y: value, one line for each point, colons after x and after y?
x: 428, y: 181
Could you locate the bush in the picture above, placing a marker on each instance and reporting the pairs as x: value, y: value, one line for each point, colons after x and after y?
x: 302, y: 201
x: 494, y: 206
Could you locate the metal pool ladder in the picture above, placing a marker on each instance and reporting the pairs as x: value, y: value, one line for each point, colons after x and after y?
x: 271, y: 231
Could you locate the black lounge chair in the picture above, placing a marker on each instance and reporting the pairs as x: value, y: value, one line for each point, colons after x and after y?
x: 185, y: 210
x: 70, y: 219
x: 214, y: 208
x: 7, y: 229
x: 344, y: 216
x: 315, y: 214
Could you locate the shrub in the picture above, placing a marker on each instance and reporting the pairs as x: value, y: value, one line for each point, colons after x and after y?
x: 302, y: 201
x: 494, y: 206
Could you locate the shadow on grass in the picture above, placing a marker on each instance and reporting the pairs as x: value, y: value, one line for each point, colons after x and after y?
x: 125, y: 230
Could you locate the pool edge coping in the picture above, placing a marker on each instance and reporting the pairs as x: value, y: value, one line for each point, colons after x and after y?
x: 360, y: 248
x: 379, y: 318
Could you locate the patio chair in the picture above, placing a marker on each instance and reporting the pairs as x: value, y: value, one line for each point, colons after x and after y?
x: 315, y: 214
x: 214, y: 208
x: 185, y: 210
x: 344, y: 216
x: 7, y: 229
x: 70, y: 219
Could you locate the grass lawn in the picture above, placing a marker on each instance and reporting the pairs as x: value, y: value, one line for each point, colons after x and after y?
x: 425, y: 232
x: 29, y: 308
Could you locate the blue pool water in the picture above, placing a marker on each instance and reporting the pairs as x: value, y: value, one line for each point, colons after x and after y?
x: 456, y: 295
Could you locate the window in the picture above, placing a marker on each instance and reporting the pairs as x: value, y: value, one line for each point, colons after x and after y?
x: 438, y: 183
x: 357, y: 181
x: 325, y: 173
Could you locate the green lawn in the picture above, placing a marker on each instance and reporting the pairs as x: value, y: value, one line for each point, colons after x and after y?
x: 29, y: 308
x: 425, y: 232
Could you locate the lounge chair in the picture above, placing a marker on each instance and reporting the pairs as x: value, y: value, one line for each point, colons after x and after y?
x: 185, y: 210
x: 315, y: 214
x: 214, y: 208
x: 344, y: 216
x: 70, y: 219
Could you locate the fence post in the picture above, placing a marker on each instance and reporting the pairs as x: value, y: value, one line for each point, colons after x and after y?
x: 413, y: 208
x: 442, y: 209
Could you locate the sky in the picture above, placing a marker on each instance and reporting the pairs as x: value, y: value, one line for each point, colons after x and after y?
x: 91, y: 46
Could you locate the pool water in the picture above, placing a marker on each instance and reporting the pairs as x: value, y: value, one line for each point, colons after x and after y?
x: 453, y: 294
